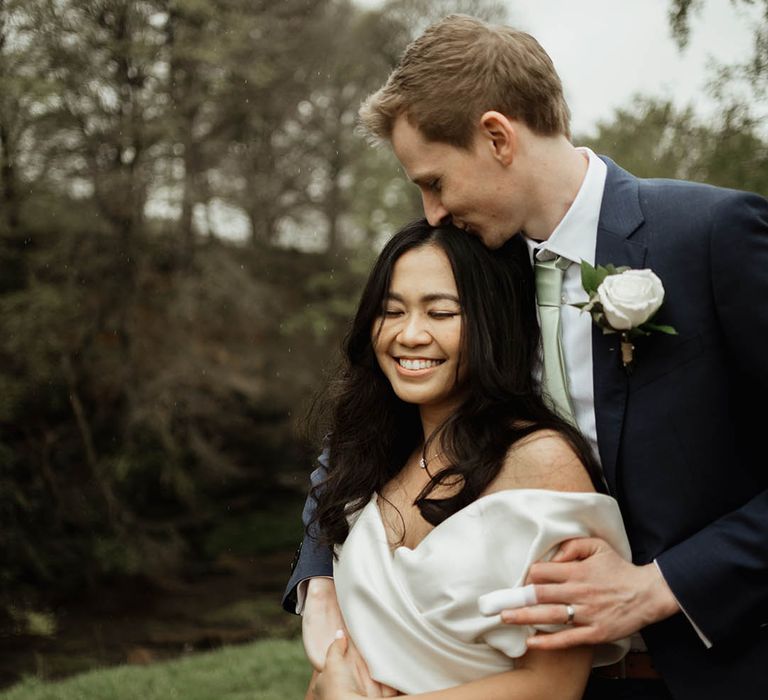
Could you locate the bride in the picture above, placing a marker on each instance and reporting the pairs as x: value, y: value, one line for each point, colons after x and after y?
x: 448, y: 478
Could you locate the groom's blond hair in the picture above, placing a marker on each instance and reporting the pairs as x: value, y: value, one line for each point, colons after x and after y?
x: 461, y: 67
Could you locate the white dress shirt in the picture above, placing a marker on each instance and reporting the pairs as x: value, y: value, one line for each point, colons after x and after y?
x: 575, y: 238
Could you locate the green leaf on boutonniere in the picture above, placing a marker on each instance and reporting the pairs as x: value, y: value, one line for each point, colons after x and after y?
x: 669, y: 330
x: 590, y: 279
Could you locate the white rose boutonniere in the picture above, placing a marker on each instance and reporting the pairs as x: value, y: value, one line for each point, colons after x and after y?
x: 623, y: 300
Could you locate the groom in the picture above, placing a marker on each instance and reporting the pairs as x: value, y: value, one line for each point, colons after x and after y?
x: 475, y: 114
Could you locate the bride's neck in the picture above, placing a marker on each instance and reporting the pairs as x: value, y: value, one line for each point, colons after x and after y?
x: 432, y: 417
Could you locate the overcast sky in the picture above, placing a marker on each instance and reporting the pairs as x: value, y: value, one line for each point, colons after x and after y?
x: 607, y: 50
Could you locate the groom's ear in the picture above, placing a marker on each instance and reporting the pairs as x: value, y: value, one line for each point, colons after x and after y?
x: 500, y: 134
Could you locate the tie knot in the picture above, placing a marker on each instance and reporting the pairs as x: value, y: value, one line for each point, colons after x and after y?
x: 549, y: 280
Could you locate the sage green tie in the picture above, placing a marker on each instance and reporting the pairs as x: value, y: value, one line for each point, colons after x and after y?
x: 549, y: 285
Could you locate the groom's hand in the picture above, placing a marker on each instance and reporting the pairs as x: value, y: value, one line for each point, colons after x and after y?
x: 611, y: 597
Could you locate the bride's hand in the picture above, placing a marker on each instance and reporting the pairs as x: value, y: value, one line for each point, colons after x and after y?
x: 321, y: 619
x: 341, y: 678
x: 337, y: 681
x: 369, y: 687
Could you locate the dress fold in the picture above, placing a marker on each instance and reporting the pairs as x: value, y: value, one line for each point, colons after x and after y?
x: 413, y: 613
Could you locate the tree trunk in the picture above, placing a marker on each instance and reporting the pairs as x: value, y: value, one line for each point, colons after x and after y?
x: 10, y: 197
x: 186, y: 222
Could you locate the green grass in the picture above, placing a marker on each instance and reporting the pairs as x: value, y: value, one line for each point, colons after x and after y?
x: 264, y: 670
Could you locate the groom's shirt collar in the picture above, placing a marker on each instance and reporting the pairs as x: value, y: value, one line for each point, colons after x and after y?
x: 575, y: 237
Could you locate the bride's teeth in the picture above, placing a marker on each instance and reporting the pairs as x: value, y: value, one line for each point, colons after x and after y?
x: 418, y: 364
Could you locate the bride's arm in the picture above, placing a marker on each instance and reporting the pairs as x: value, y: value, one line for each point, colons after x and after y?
x: 321, y: 619
x: 539, y: 675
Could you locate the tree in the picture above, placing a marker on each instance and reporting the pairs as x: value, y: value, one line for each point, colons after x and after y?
x: 653, y: 139
x: 16, y: 87
x: 108, y: 115
x: 266, y: 69
x: 755, y: 70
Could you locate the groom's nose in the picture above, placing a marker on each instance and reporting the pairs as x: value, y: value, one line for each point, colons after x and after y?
x: 434, y: 210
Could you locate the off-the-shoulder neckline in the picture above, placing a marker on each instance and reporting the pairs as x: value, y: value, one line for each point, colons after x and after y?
x: 496, y: 495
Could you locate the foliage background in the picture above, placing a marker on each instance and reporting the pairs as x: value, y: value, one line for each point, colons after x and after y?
x: 186, y: 217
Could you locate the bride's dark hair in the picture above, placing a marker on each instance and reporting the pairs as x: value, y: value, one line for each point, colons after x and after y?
x: 371, y: 432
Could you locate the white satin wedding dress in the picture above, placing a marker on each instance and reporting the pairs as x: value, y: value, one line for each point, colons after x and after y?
x: 413, y: 613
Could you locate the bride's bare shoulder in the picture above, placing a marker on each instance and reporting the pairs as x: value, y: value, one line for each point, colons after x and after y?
x: 542, y: 460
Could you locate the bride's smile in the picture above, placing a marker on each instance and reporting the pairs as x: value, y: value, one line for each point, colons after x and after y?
x: 418, y: 337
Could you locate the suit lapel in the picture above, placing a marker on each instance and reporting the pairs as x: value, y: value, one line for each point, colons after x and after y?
x: 620, y: 217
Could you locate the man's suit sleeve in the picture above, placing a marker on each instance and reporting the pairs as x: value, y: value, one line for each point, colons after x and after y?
x: 311, y: 559
x: 720, y: 574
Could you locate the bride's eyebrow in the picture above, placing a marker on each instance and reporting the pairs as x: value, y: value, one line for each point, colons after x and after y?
x: 435, y: 296
x: 440, y: 297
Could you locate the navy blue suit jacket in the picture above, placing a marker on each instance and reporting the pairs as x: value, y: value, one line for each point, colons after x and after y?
x: 681, y: 438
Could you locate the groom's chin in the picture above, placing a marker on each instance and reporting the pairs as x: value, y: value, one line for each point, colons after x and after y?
x: 491, y: 240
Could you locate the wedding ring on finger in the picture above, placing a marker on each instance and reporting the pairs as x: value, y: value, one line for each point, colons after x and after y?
x: 570, y: 613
